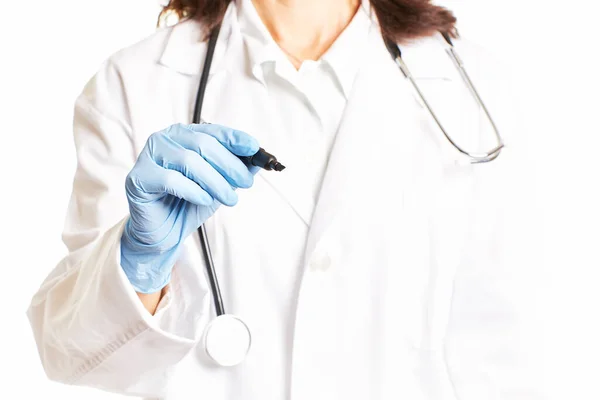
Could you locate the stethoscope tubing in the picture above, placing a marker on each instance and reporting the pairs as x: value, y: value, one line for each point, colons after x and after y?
x: 197, y: 118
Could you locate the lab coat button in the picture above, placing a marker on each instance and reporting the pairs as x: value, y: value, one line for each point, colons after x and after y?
x: 321, y: 263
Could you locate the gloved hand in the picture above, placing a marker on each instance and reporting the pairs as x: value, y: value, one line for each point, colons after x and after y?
x: 183, y: 174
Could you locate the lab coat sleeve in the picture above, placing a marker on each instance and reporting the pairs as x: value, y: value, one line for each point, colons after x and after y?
x: 494, y: 341
x: 89, y: 325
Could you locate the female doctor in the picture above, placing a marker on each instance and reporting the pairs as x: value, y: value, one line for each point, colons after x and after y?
x: 374, y: 266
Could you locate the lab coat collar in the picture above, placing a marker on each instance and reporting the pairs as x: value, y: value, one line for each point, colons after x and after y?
x: 259, y: 44
x: 344, y: 56
x: 185, y: 48
x: 346, y: 53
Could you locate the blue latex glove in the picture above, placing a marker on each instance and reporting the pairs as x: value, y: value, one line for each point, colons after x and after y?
x: 183, y: 174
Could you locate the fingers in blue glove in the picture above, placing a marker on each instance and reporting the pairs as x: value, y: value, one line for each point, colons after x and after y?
x: 172, y: 158
x: 156, y: 180
x: 219, y: 156
x: 237, y: 142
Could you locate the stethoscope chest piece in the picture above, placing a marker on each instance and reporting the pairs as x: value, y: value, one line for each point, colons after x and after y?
x: 227, y: 340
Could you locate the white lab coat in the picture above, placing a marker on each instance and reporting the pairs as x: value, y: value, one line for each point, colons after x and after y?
x: 413, y: 280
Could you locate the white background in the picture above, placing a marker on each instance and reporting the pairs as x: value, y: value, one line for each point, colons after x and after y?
x: 50, y: 49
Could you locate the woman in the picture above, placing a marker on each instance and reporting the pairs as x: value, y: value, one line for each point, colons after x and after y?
x: 372, y: 267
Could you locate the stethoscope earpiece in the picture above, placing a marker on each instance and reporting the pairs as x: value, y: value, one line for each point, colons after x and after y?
x: 227, y: 340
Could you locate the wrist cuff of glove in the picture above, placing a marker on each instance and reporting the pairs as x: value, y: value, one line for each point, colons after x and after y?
x: 148, y: 269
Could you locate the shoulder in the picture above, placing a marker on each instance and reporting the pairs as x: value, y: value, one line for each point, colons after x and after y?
x: 105, y: 93
x: 139, y: 63
x: 429, y: 59
x: 147, y: 49
x: 143, y: 53
x: 497, y: 84
x: 148, y: 52
x: 429, y: 56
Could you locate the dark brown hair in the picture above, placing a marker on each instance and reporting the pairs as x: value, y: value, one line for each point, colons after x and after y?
x: 400, y: 20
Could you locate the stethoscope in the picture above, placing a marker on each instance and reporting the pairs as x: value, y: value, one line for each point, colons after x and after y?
x: 227, y: 338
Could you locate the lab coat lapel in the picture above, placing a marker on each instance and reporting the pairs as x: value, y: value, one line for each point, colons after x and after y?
x: 354, y: 149
x: 388, y: 155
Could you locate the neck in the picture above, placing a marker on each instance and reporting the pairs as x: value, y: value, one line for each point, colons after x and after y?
x: 305, y: 29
